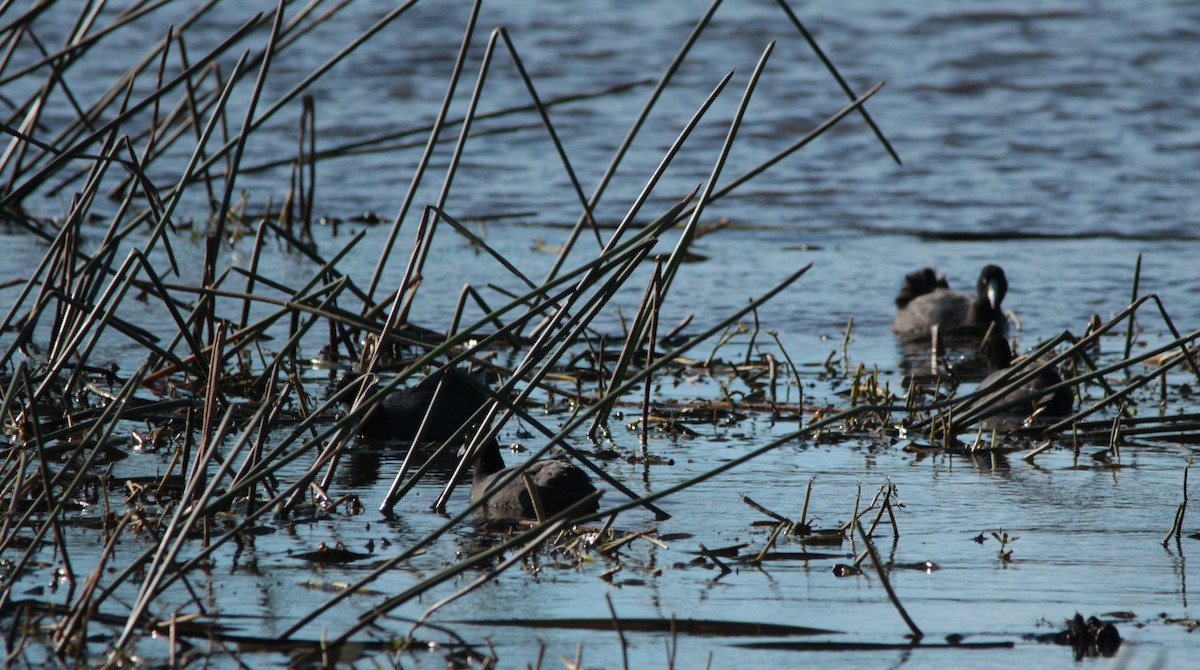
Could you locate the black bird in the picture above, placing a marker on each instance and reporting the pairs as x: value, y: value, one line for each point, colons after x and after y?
x: 926, y: 301
x: 559, y: 484
x: 1000, y: 359
x: 399, y: 415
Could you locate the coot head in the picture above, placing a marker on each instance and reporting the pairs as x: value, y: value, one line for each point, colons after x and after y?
x: 990, y: 290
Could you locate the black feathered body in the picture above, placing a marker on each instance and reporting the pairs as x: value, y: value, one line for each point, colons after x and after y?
x: 559, y: 484
x: 926, y: 301
x: 399, y: 415
x: 999, y: 358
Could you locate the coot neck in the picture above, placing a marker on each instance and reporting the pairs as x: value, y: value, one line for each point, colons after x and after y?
x: 997, y: 353
x: 488, y: 461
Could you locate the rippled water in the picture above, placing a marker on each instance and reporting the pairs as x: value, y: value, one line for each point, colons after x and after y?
x: 1057, y: 140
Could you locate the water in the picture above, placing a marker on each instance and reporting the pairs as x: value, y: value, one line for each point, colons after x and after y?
x: 1057, y: 141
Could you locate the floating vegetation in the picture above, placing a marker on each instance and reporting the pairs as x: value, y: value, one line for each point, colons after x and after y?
x: 1088, y: 638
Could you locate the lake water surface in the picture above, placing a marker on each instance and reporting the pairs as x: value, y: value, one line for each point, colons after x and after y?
x: 1058, y: 140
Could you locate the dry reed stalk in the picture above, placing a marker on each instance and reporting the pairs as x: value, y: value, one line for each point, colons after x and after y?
x: 479, y: 243
x: 620, y: 634
x: 884, y: 505
x: 803, y: 526
x: 427, y: 155
x: 1177, y: 526
x: 779, y: 528
x: 308, y: 187
x: 754, y: 505
x: 390, y: 563
x: 243, y: 136
x: 18, y: 192
x: 651, y: 339
x: 753, y: 339
x: 887, y: 585
x: 710, y: 185
x: 837, y: 76
x: 98, y: 434
x: 1131, y: 325
x: 486, y: 308
x: 793, y: 372
x: 544, y: 115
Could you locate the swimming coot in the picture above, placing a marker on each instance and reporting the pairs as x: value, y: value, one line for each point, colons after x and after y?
x: 559, y: 484
x: 399, y: 415
x: 1000, y: 359
x: 926, y: 301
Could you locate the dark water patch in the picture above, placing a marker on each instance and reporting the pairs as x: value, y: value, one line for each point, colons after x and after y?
x: 1177, y: 234
x: 700, y: 627
x: 876, y: 646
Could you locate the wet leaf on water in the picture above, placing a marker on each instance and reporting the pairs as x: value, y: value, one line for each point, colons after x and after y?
x: 337, y: 587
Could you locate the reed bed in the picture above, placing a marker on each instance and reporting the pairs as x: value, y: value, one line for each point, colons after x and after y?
x: 223, y: 381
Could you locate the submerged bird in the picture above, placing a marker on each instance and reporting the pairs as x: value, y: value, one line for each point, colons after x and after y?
x: 399, y: 415
x: 559, y: 484
x: 926, y: 301
x: 999, y: 358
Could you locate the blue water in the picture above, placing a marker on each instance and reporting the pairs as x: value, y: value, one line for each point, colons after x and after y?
x: 1059, y: 141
